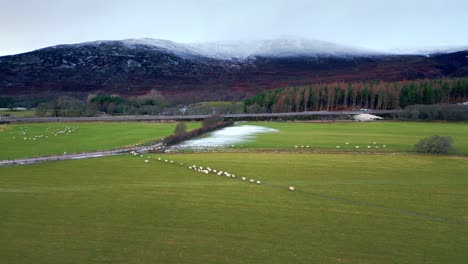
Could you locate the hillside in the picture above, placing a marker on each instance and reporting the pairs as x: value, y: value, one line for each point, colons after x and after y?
x: 210, y: 71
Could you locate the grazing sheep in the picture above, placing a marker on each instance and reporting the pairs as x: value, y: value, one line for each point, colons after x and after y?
x: 357, y: 146
x: 172, y: 161
x: 291, y: 188
x: 347, y: 143
x: 259, y: 182
x: 383, y: 146
x: 368, y: 146
x: 243, y: 178
x: 252, y: 180
x: 146, y: 161
x: 165, y: 160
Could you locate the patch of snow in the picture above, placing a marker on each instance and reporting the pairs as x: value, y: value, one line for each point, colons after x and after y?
x: 428, y: 50
x: 242, y: 50
x: 280, y: 47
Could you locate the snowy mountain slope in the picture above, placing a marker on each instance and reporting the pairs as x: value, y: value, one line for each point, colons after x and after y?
x: 242, y: 50
x: 429, y: 50
x: 209, y: 71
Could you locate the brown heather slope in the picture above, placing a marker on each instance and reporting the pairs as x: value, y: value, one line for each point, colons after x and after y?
x: 114, y: 68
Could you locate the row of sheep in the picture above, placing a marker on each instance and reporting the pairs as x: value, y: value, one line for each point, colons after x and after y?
x: 206, y: 170
x: 374, y: 145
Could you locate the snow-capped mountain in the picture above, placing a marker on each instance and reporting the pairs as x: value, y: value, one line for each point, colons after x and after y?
x: 277, y: 48
x: 209, y: 71
x: 242, y: 50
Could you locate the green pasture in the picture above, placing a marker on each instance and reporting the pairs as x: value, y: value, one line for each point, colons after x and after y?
x: 396, y: 136
x: 43, y: 139
x: 18, y: 113
x: 347, y: 208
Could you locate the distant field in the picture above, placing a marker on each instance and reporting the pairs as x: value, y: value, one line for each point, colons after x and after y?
x: 40, y: 139
x: 123, y: 210
x: 18, y: 113
x: 396, y: 136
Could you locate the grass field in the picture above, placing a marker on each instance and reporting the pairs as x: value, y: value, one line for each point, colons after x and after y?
x: 18, y: 113
x: 396, y: 136
x: 345, y: 210
x: 42, y: 139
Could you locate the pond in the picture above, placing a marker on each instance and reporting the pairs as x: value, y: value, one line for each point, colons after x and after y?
x: 226, y: 137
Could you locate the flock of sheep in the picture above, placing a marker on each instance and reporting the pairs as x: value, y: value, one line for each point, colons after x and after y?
x: 48, y: 132
x: 205, y: 170
x: 374, y: 145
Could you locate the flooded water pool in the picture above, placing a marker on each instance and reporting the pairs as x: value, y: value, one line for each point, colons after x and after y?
x: 226, y: 137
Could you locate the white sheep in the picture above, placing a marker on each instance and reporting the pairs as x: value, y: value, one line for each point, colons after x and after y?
x: 252, y: 180
x: 259, y: 182
x: 243, y: 178
x: 291, y: 188
x: 146, y: 161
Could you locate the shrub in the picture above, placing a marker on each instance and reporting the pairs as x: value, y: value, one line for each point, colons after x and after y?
x: 181, y: 128
x: 435, y: 145
x: 212, y: 120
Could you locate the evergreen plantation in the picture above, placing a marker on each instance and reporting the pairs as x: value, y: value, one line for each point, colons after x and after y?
x: 376, y: 95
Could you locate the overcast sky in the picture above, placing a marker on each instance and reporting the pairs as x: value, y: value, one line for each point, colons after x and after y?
x: 375, y: 24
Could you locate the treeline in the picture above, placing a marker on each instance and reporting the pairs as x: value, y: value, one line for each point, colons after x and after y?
x: 26, y: 102
x: 376, y: 95
x: 149, y: 104
x: 442, y: 112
